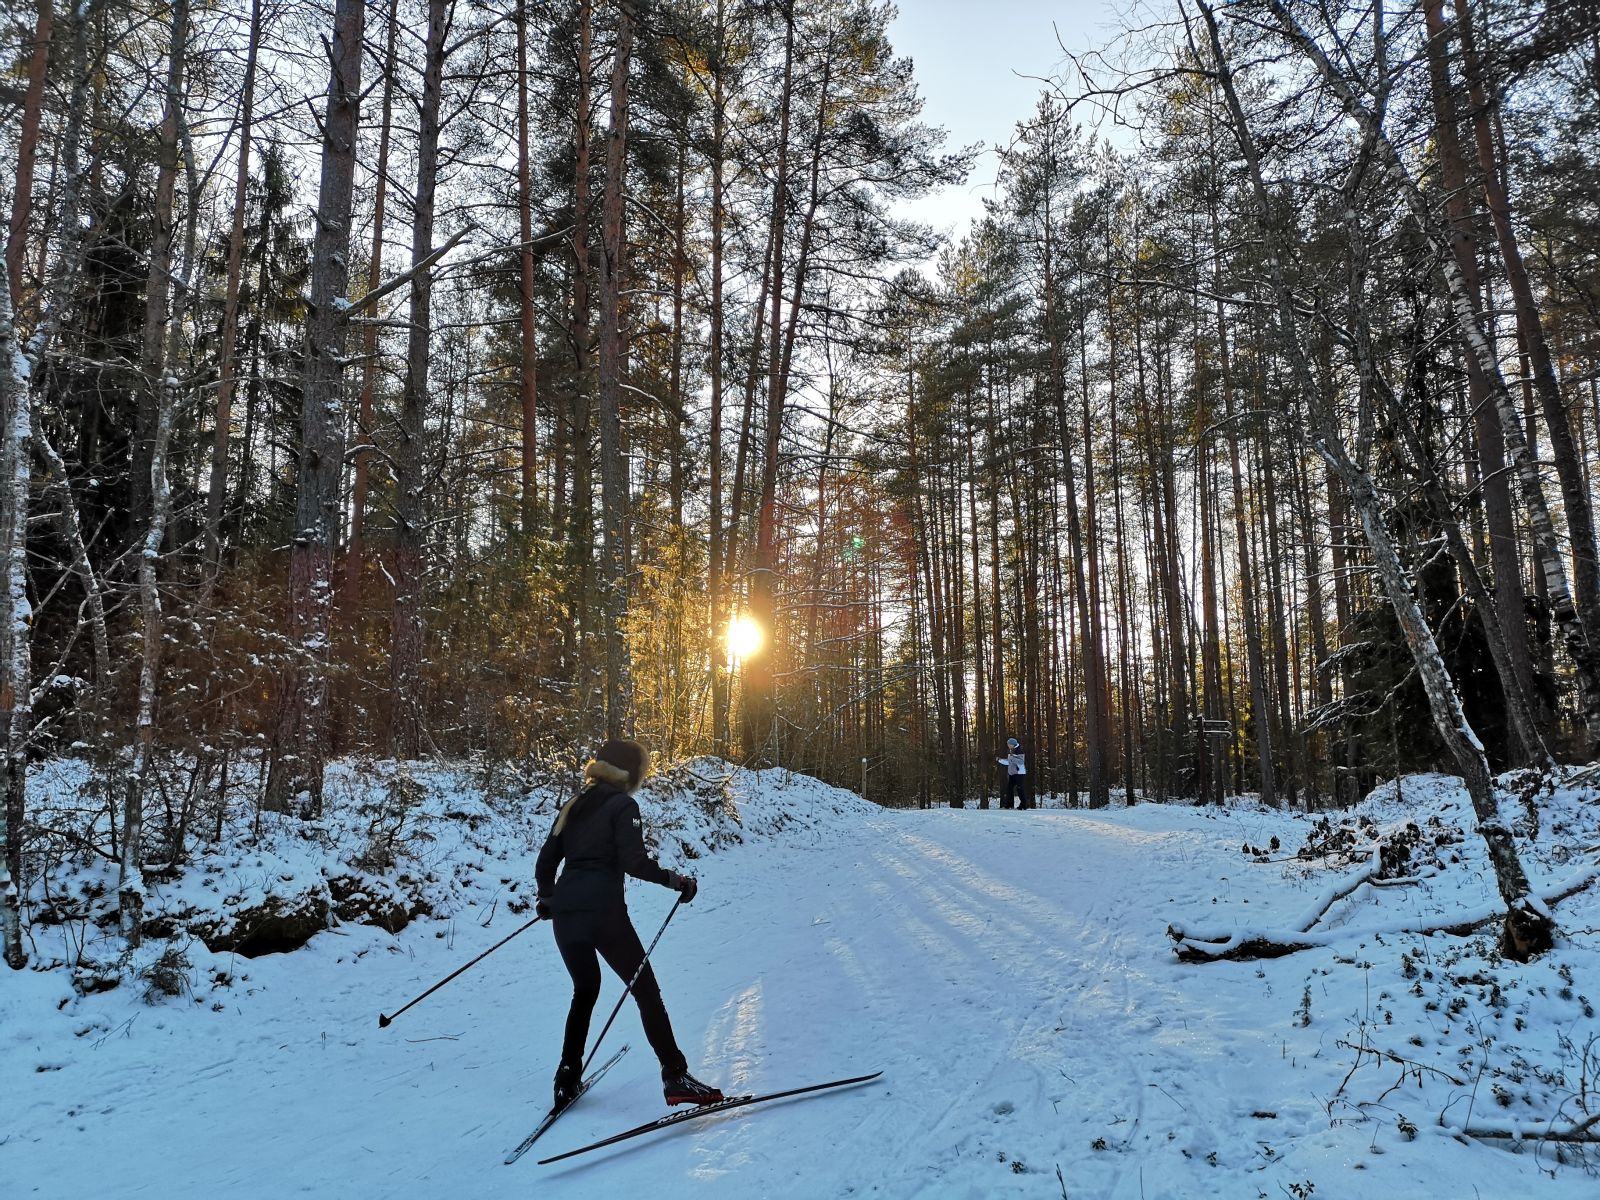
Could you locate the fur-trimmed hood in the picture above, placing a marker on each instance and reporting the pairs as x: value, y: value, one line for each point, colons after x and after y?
x: 604, y: 772
x: 619, y: 764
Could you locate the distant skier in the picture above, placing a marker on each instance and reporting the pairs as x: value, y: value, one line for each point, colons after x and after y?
x: 598, y: 833
x: 1016, y: 764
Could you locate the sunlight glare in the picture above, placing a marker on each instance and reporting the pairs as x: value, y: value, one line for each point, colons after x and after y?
x: 745, y: 636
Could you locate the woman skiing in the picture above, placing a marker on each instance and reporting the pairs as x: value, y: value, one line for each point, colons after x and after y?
x: 598, y: 834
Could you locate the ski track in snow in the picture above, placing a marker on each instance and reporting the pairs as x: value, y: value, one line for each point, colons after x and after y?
x: 1007, y: 970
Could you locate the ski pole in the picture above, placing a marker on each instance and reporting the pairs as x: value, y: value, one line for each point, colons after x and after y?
x: 383, y: 1021
x: 639, y: 970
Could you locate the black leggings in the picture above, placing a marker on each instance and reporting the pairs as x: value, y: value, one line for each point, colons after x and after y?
x: 1017, y: 785
x: 580, y: 936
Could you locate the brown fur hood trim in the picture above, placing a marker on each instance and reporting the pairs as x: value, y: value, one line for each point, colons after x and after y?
x: 599, y: 772
x: 604, y: 772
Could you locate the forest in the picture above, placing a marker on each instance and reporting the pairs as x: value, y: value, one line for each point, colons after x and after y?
x: 474, y: 379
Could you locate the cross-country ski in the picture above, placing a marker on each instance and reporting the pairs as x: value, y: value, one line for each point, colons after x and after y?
x: 554, y: 1114
x: 726, y: 1104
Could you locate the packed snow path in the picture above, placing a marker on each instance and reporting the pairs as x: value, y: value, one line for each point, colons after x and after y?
x: 1007, y: 970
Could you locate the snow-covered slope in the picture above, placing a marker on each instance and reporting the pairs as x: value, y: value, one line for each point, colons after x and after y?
x: 1009, y: 971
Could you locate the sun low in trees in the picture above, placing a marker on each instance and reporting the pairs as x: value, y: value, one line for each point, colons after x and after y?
x: 849, y: 143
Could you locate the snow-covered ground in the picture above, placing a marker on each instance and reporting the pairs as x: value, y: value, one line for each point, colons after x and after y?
x: 1010, y: 973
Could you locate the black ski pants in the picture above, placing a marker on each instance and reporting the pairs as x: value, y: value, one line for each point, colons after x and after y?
x: 1017, y: 785
x: 609, y: 934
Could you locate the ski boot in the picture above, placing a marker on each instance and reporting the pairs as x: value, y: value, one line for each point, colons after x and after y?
x: 680, y: 1087
x: 569, y: 1077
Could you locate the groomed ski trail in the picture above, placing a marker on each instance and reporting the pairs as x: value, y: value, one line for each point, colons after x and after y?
x: 994, y: 964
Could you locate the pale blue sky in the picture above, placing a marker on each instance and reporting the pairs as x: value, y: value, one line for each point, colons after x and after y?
x: 971, y: 58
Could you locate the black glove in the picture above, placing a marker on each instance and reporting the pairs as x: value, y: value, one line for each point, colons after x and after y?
x: 686, y: 885
x: 541, y: 908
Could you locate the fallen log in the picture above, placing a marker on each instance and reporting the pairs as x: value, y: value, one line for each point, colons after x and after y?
x: 1244, y: 945
x: 1585, y: 1132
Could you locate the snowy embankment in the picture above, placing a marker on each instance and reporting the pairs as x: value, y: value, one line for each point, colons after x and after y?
x: 1009, y: 971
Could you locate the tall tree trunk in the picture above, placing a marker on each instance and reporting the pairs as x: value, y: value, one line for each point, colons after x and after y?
x: 716, y: 584
x: 1127, y: 681
x: 997, y: 662
x: 613, y: 466
x: 227, y: 367
x: 1322, y: 675
x: 158, y: 281
x: 302, y: 735
x: 407, y: 733
x: 677, y: 417
x: 356, y: 546
x: 956, y: 638
x: 1575, y: 493
x: 1260, y: 710
x: 1509, y: 605
x: 1173, y: 607
x: 984, y: 733
x: 1524, y: 729
x: 529, y: 383
x: 580, y: 531
x: 57, y: 289
x: 753, y: 376
x: 1276, y: 601
x: 130, y: 885
x: 1097, y: 676
x: 130, y: 879
x: 1209, y: 746
x: 760, y: 677
x: 923, y: 560
x: 16, y: 627
x: 1088, y: 618
x: 1469, y: 323
x: 27, y: 151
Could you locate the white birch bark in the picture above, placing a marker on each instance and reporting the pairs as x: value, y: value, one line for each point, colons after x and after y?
x: 60, y: 484
x: 130, y: 885
x: 217, y: 489
x: 16, y: 623
x: 158, y: 282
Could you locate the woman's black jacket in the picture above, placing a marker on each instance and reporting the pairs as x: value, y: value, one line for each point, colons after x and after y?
x: 600, y: 837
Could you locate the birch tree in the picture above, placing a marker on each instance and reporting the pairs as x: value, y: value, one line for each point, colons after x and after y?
x: 16, y: 621
x: 1570, y: 609
x: 227, y: 370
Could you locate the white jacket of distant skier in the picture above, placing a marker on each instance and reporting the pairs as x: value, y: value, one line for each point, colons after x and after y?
x: 1015, y: 763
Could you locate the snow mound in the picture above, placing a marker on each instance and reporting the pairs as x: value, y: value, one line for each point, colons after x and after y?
x: 397, y: 841
x: 703, y: 805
